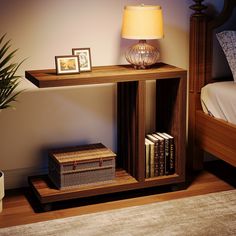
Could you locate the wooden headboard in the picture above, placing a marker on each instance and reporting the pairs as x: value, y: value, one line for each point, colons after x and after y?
x: 202, y: 29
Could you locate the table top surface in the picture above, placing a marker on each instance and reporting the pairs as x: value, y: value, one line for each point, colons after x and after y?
x: 103, y: 74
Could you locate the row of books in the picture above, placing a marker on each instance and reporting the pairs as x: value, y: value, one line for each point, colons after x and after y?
x: 160, y: 154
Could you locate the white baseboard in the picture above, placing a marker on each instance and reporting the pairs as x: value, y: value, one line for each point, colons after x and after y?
x: 18, y: 178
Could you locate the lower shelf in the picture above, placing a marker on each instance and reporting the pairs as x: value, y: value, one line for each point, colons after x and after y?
x: 47, y: 193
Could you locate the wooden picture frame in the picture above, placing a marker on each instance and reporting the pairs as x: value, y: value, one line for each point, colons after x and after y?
x: 67, y: 64
x: 84, y: 57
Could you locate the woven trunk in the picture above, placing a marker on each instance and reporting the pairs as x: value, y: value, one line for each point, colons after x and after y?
x: 81, y: 165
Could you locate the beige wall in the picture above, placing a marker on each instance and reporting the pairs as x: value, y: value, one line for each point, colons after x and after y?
x: 72, y: 115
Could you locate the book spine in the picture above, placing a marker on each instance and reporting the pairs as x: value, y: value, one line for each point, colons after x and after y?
x: 151, y: 157
x: 157, y: 159
x: 167, y: 156
x: 154, y: 167
x: 162, y: 160
x: 147, y: 155
x: 172, y: 156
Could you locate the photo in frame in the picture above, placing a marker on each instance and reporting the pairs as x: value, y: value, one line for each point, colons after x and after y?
x: 84, y: 58
x: 67, y: 64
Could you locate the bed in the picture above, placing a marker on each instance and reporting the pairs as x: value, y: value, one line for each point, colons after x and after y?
x: 208, y: 133
x: 219, y: 100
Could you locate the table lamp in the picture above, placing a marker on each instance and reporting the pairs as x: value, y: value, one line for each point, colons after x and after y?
x: 142, y: 22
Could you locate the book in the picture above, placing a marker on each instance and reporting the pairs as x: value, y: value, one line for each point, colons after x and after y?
x: 166, y: 152
x: 171, y: 153
x: 155, y: 168
x: 161, y: 154
x: 150, y: 157
x: 147, y: 158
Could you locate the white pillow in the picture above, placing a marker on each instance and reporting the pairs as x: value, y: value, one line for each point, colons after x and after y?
x: 227, y: 40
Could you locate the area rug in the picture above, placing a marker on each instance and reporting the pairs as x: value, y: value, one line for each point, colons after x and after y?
x: 204, y: 215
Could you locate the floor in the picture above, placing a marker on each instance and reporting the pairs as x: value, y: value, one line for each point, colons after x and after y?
x: 19, y: 206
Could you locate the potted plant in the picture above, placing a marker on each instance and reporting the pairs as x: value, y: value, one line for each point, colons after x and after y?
x: 8, y: 83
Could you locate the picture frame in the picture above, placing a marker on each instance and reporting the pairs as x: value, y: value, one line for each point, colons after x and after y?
x: 68, y: 64
x: 84, y: 57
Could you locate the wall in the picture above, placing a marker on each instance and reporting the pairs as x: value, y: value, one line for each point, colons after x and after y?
x: 63, y: 116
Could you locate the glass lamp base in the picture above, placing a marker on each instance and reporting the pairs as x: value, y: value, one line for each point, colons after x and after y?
x: 142, y: 55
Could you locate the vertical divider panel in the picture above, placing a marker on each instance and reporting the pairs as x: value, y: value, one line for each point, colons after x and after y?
x: 131, y: 127
x: 120, y: 160
x: 140, y: 121
x: 182, y: 97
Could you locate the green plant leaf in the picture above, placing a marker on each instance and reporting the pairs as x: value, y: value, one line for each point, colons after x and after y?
x: 4, y: 49
x: 8, y: 80
x: 7, y: 69
x: 1, y: 39
x: 7, y: 58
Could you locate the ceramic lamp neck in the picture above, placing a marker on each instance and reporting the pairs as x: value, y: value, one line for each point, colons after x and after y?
x: 142, y: 41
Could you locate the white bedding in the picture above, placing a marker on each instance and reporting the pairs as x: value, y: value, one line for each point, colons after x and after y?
x: 219, y: 100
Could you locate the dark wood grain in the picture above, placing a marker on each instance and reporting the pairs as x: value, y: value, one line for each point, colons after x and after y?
x: 170, y: 115
x: 200, y: 73
x: 211, y: 132
x: 102, y: 74
x: 198, y: 7
x: 46, y: 193
x: 131, y: 96
x: 197, y: 74
x: 140, y: 127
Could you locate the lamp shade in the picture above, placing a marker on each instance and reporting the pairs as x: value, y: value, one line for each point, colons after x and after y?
x: 142, y: 22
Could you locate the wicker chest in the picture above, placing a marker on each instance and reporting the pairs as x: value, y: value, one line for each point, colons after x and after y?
x: 72, y: 167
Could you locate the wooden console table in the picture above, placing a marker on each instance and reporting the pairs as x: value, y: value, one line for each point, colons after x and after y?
x: 131, y: 93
